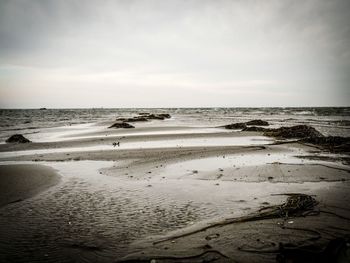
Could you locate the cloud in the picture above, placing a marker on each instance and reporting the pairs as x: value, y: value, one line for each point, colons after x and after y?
x: 220, y: 50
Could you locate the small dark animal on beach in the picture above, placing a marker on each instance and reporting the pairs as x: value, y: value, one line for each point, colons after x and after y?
x: 116, y: 144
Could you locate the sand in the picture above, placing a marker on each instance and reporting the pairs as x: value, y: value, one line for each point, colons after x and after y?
x: 152, y: 198
x: 22, y: 181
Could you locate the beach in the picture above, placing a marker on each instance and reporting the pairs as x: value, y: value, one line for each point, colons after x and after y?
x: 163, y: 131
x: 179, y: 189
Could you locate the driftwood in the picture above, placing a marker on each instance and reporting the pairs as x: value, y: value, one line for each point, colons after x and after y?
x: 295, y: 205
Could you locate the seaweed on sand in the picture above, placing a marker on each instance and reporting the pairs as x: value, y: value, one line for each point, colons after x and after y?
x: 296, y: 205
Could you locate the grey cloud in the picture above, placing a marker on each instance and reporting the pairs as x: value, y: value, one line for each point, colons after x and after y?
x: 217, y: 48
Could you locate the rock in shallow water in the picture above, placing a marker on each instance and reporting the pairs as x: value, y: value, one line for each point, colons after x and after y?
x: 124, y: 125
x: 294, y: 132
x: 236, y: 126
x: 145, y: 117
x: 243, y: 125
x: 17, y: 138
x: 258, y: 123
x: 157, y: 116
x: 133, y: 119
x: 255, y: 129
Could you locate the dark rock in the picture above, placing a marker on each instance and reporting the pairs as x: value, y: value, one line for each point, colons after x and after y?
x: 165, y: 115
x: 121, y: 119
x: 133, y: 119
x: 124, y: 125
x: 257, y: 122
x: 155, y: 117
x: 243, y: 125
x: 139, y: 119
x: 298, y: 131
x: 255, y: 129
x: 236, y: 126
x: 145, y: 117
x: 161, y: 116
x: 42, y: 109
x: 17, y: 138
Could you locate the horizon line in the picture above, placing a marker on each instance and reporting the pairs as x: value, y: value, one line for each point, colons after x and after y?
x: 200, y: 107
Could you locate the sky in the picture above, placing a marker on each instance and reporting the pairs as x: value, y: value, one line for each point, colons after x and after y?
x: 174, y: 53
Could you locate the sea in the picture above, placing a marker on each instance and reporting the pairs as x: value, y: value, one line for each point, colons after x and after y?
x: 328, y: 120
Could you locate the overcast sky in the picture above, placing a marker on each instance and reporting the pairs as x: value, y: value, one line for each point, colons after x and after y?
x: 174, y: 53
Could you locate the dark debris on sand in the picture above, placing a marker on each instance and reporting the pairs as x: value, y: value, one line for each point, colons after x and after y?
x: 17, y: 138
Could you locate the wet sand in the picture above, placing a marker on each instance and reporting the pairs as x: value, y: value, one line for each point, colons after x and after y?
x: 140, y: 203
x: 22, y: 181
